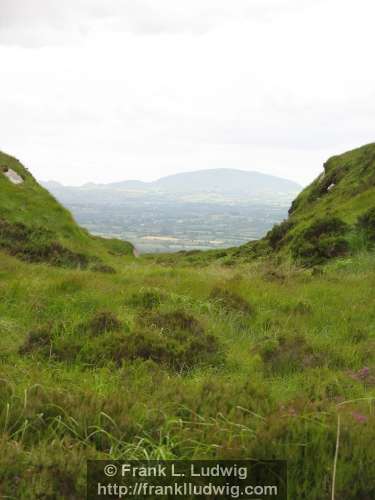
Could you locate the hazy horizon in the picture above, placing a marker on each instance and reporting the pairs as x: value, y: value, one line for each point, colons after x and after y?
x: 103, y: 90
x: 172, y: 175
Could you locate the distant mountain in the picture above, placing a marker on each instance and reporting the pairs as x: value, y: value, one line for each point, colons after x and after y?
x: 226, y: 181
x: 223, y: 180
x: 203, y: 209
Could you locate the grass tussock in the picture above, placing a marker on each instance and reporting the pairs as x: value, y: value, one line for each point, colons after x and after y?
x: 102, y: 322
x: 230, y: 301
x: 146, y: 299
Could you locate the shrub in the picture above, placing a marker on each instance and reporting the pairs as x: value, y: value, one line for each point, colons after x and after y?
x: 320, y: 241
x: 172, y: 351
x: 104, y: 321
x: 38, y: 340
x: 366, y: 223
x: 320, y: 251
x: 103, y: 268
x: 230, y: 301
x: 327, y: 226
x: 295, y: 204
x: 37, y: 245
x: 221, y: 253
x: 287, y: 355
x: 173, y: 340
x: 53, y: 253
x: 148, y: 299
x: 277, y: 234
x: 172, y: 322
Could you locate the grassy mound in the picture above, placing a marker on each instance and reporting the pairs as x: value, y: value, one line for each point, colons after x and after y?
x: 334, y: 215
x: 36, y: 228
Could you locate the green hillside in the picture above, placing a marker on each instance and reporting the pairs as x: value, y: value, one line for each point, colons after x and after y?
x: 345, y: 188
x: 35, y: 227
x: 191, y: 356
x: 335, y: 215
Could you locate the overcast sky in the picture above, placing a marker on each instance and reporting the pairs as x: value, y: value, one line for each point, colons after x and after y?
x: 107, y: 90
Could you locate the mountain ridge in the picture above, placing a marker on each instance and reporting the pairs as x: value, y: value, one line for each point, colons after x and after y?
x: 204, y: 179
x: 204, y: 209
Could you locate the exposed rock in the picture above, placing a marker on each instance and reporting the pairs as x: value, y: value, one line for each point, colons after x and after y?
x: 12, y: 175
x: 321, y: 177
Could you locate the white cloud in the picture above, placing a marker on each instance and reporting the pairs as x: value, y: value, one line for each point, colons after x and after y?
x: 107, y: 90
x: 46, y: 22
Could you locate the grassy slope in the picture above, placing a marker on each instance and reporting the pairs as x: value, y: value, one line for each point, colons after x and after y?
x: 32, y: 205
x: 291, y: 361
x: 353, y: 174
x: 353, y: 177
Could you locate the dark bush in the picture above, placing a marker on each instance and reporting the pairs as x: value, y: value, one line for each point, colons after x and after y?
x: 53, y: 253
x: 38, y: 340
x: 174, y: 340
x: 172, y: 322
x: 328, y: 226
x: 312, y: 253
x: 322, y: 240
x: 172, y: 351
x: 148, y: 299
x: 277, y: 234
x: 104, y: 321
x: 220, y: 254
x: 103, y: 268
x: 294, y: 206
x: 230, y: 301
x: 366, y: 223
x: 287, y: 355
x: 36, y: 245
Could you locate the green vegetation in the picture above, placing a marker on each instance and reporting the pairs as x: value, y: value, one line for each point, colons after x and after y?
x: 36, y: 228
x: 331, y: 216
x: 200, y: 355
x: 366, y: 223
